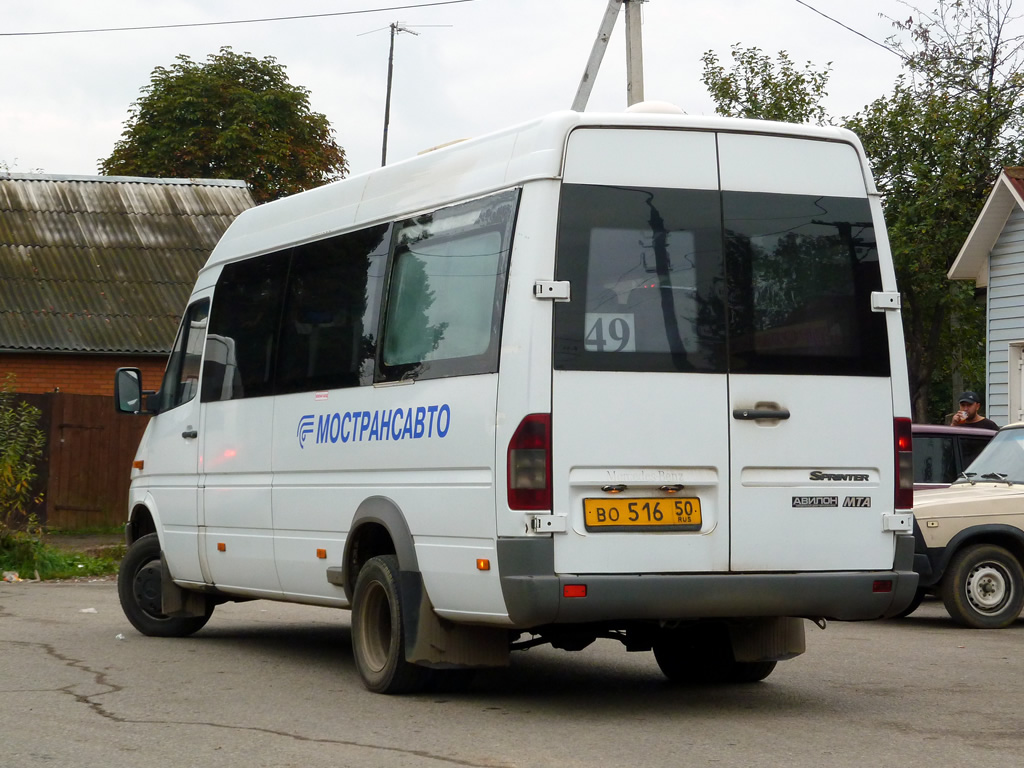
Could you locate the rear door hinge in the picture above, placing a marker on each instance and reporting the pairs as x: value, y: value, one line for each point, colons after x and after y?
x: 901, y: 523
x: 547, y: 523
x: 554, y: 290
x: 885, y: 301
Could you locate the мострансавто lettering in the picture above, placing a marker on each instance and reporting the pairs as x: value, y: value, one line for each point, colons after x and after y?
x: 369, y: 426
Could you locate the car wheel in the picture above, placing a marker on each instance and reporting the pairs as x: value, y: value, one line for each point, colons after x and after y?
x: 378, y: 640
x: 984, y: 587
x: 140, y: 590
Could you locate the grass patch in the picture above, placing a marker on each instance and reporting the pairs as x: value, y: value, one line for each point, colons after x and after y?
x: 26, y: 554
x: 87, y: 531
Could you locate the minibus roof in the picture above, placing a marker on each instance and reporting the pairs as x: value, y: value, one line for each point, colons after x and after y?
x: 459, y: 171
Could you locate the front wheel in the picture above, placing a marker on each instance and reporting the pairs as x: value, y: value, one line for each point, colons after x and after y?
x: 984, y: 587
x: 378, y: 640
x: 140, y: 589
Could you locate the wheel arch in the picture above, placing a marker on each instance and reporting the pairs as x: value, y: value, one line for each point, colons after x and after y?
x: 378, y: 528
x: 141, y: 521
x: 1008, y: 537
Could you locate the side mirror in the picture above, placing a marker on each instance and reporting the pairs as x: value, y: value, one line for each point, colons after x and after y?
x: 128, y: 390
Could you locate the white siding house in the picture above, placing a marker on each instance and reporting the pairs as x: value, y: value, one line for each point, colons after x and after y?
x: 993, y: 256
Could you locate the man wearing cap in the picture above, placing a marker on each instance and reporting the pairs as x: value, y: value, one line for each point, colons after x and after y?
x: 968, y: 415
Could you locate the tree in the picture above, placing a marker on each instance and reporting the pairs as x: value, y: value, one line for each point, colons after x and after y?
x: 234, y: 117
x: 937, y: 144
x: 757, y: 88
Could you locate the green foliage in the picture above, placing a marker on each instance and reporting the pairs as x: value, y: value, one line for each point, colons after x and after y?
x: 233, y: 117
x: 27, y: 554
x: 757, y: 88
x: 937, y: 144
x: 21, y: 446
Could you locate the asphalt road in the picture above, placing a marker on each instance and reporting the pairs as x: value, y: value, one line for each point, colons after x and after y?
x: 267, y: 684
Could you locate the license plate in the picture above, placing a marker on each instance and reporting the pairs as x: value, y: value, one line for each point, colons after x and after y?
x: 641, y: 514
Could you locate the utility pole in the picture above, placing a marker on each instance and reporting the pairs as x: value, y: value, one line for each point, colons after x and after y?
x: 396, y: 26
x: 634, y: 54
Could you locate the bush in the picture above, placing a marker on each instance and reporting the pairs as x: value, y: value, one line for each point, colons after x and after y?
x: 21, y: 446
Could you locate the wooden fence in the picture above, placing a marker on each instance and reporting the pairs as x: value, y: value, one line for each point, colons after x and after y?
x: 87, y: 460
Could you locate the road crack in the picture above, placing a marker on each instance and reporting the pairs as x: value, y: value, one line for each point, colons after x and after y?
x: 102, y: 679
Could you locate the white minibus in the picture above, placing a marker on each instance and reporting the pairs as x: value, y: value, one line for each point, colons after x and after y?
x: 636, y: 376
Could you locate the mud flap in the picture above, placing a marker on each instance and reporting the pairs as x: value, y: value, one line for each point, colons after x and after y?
x: 431, y: 641
x: 772, y: 639
x: 176, y: 601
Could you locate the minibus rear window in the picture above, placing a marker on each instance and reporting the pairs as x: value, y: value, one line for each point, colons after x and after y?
x: 801, y: 270
x: 645, y: 266
x: 708, y: 281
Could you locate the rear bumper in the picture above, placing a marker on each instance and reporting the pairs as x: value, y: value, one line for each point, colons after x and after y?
x: 533, y: 592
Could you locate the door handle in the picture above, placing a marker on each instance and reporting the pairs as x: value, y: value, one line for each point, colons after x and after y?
x: 190, y: 433
x: 751, y: 414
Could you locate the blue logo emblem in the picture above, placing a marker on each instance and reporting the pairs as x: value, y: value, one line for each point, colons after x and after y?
x: 306, y: 427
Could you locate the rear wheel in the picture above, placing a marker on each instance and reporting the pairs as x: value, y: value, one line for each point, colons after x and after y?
x: 701, y: 655
x: 451, y: 680
x: 913, y: 606
x: 140, y: 589
x: 984, y: 587
x: 378, y: 640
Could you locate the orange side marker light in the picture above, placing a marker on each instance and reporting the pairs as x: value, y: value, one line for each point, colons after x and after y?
x: 222, y: 547
x: 483, y: 564
x: 322, y: 554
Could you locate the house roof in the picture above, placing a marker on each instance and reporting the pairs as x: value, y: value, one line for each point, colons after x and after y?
x: 104, y: 263
x: 972, y: 261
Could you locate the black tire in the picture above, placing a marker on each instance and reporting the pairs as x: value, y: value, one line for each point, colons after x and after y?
x: 983, y: 587
x: 703, y: 656
x: 139, y: 589
x: 749, y: 671
x: 378, y: 642
x: 913, y: 606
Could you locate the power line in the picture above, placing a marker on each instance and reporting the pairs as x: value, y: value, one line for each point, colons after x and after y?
x: 235, y: 21
x: 851, y: 29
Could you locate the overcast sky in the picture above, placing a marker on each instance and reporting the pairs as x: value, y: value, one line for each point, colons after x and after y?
x: 488, y: 63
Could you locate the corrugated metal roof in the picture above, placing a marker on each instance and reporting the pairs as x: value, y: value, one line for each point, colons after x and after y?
x: 1015, y: 175
x: 104, y: 263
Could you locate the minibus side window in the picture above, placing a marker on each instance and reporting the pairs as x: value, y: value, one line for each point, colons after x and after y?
x: 181, y: 377
x: 243, y: 328
x: 331, y: 309
x: 446, y: 291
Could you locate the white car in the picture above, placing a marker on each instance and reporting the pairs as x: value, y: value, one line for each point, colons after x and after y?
x: 970, y: 537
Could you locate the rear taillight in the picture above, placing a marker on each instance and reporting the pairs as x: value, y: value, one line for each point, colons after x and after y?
x: 904, y: 497
x: 529, y: 464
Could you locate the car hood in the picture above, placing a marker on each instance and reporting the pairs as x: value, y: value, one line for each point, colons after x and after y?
x: 980, y: 499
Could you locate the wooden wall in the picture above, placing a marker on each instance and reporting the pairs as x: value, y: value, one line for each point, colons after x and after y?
x: 88, y: 457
